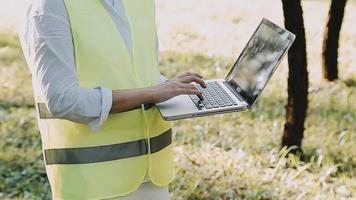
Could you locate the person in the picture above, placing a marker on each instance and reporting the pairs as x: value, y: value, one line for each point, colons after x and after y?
x: 95, y: 77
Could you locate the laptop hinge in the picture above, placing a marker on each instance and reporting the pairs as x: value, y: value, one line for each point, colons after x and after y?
x: 235, y: 93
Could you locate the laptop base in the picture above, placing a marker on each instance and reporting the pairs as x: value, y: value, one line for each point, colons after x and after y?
x: 182, y: 106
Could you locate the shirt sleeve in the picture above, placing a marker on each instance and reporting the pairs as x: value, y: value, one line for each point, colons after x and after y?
x: 162, y: 78
x: 50, y: 56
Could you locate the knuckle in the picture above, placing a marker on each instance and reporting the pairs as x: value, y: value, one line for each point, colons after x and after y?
x: 177, y: 91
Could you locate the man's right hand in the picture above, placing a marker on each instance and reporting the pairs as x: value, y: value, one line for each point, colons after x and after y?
x: 177, y: 86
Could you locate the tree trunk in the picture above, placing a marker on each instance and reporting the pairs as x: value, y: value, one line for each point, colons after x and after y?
x: 331, y: 39
x: 298, y: 76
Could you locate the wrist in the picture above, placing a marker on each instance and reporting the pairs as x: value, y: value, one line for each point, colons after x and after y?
x: 149, y: 95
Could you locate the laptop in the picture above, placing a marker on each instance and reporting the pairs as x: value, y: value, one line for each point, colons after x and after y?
x: 243, y: 84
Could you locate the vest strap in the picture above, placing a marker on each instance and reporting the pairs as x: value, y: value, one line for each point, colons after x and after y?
x: 105, y: 153
x: 45, y: 114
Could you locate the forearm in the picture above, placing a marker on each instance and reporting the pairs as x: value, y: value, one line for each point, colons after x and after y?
x: 124, y: 100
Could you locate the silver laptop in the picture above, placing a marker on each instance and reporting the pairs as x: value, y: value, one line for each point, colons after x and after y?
x: 243, y: 84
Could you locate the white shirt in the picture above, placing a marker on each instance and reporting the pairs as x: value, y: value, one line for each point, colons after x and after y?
x: 46, y: 39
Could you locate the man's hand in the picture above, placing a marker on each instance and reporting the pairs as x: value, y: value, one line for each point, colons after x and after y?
x: 177, y: 86
x: 124, y: 100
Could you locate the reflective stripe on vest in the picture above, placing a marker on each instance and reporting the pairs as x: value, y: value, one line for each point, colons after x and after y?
x: 45, y: 114
x: 107, y: 152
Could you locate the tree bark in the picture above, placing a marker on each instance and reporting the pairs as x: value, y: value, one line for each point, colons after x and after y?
x: 298, y: 76
x: 331, y: 39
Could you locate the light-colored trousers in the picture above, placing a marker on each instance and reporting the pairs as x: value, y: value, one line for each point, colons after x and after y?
x: 147, y: 191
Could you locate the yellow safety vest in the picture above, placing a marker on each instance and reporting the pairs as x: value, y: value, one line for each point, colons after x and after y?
x: 114, y: 161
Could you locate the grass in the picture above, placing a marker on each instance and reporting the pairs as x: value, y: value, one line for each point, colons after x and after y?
x: 237, y: 155
x: 232, y: 156
x: 15, y: 79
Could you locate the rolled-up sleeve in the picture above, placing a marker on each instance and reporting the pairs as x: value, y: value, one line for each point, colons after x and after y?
x: 51, y: 60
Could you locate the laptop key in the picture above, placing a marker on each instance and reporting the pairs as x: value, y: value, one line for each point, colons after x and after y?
x: 193, y: 96
x: 196, y: 101
x: 207, y: 104
x: 215, y: 105
x: 221, y: 103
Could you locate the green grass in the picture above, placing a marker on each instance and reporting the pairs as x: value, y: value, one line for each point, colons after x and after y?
x: 232, y: 156
x: 22, y: 174
x: 15, y: 79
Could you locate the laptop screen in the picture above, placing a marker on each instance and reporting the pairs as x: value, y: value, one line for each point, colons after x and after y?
x: 259, y: 59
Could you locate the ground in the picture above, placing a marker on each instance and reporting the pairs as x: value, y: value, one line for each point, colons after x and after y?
x: 232, y: 156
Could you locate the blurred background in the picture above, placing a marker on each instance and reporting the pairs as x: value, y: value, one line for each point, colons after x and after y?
x: 231, y: 156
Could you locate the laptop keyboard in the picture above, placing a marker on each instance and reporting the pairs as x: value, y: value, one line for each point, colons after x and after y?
x: 214, y: 97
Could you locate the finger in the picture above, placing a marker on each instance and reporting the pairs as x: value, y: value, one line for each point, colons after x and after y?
x: 189, y: 74
x: 187, y: 86
x: 192, y: 88
x: 182, y: 75
x: 191, y: 91
x: 200, y: 95
x: 192, y: 78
